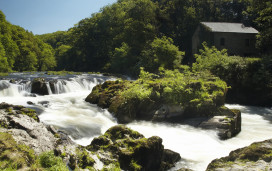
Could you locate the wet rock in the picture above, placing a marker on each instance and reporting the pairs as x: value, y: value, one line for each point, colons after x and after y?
x: 12, y: 81
x: 132, y: 151
x: 4, y: 85
x: 226, y: 125
x: 257, y: 156
x: 38, y: 86
x: 44, y: 103
x: 52, y: 85
x: 30, y: 103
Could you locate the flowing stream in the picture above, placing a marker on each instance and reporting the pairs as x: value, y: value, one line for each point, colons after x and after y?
x: 68, y: 111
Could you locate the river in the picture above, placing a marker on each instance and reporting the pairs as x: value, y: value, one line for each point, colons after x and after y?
x: 68, y: 111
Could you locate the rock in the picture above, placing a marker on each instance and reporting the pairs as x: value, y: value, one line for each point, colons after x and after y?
x: 104, y: 98
x: 52, y: 85
x: 169, y: 158
x: 28, y: 131
x: 257, y: 156
x: 210, y: 114
x: 44, y: 103
x: 30, y: 103
x: 14, y: 156
x: 132, y: 151
x: 38, y: 86
x: 226, y: 125
x: 4, y: 85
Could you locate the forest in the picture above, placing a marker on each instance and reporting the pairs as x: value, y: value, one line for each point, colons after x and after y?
x: 128, y: 35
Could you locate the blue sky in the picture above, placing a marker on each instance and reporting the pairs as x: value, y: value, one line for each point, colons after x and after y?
x: 47, y: 16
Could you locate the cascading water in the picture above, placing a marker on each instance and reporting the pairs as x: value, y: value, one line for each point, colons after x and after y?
x: 67, y: 110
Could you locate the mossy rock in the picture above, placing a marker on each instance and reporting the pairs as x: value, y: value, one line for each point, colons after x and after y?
x: 17, y: 109
x: 14, y: 156
x: 198, y: 94
x: 85, y: 161
x: 102, y: 94
x: 132, y: 150
x: 246, y: 158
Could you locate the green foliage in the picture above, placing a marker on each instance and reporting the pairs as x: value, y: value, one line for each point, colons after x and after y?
x: 161, y: 53
x: 120, y: 59
x: 51, y: 162
x: 248, y: 77
x: 84, y: 159
x: 4, y: 67
x: 20, y: 50
x: 135, y: 166
x: 14, y: 156
x: 260, y: 12
x: 63, y: 73
x: 176, y: 87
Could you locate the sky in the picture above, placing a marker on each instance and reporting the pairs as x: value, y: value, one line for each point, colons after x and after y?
x: 48, y: 16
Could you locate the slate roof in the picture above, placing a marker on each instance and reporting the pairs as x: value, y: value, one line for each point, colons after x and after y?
x: 229, y: 27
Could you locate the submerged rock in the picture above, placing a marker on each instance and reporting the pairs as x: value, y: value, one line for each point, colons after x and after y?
x: 257, y: 156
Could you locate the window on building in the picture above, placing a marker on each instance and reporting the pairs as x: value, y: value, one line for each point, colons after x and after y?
x: 247, y: 42
x: 222, y: 41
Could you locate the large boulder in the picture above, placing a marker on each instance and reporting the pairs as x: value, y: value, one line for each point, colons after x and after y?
x: 207, y: 113
x: 38, y: 86
x: 257, y: 156
x: 132, y: 151
x: 228, y: 124
x: 23, y: 124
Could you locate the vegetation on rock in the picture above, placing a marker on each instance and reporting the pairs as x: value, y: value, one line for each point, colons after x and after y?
x: 193, y: 92
x: 14, y: 156
x: 246, y: 157
x: 17, y: 109
x: 129, y: 150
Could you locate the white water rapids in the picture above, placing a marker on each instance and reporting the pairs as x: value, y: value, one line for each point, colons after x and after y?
x: 68, y: 111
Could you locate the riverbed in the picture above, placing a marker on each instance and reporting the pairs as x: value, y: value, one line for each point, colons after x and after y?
x: 68, y: 111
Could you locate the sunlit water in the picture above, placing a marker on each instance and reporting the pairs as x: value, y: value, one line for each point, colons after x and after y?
x: 68, y: 111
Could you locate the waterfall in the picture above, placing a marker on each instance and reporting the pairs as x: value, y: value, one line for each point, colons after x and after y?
x: 14, y: 89
x: 55, y: 85
x: 48, y: 88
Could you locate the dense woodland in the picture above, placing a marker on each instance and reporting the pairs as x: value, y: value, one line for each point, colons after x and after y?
x: 129, y: 34
x: 20, y: 50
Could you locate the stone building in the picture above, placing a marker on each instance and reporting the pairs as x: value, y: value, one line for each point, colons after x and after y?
x: 237, y: 38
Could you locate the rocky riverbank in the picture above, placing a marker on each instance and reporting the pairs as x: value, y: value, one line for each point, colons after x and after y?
x: 119, y: 148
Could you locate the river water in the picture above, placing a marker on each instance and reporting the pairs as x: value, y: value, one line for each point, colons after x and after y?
x: 68, y: 111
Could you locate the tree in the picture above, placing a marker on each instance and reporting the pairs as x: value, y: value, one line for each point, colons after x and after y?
x: 161, y: 53
x: 4, y: 67
x: 120, y: 60
x: 261, y: 12
x: 46, y: 60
